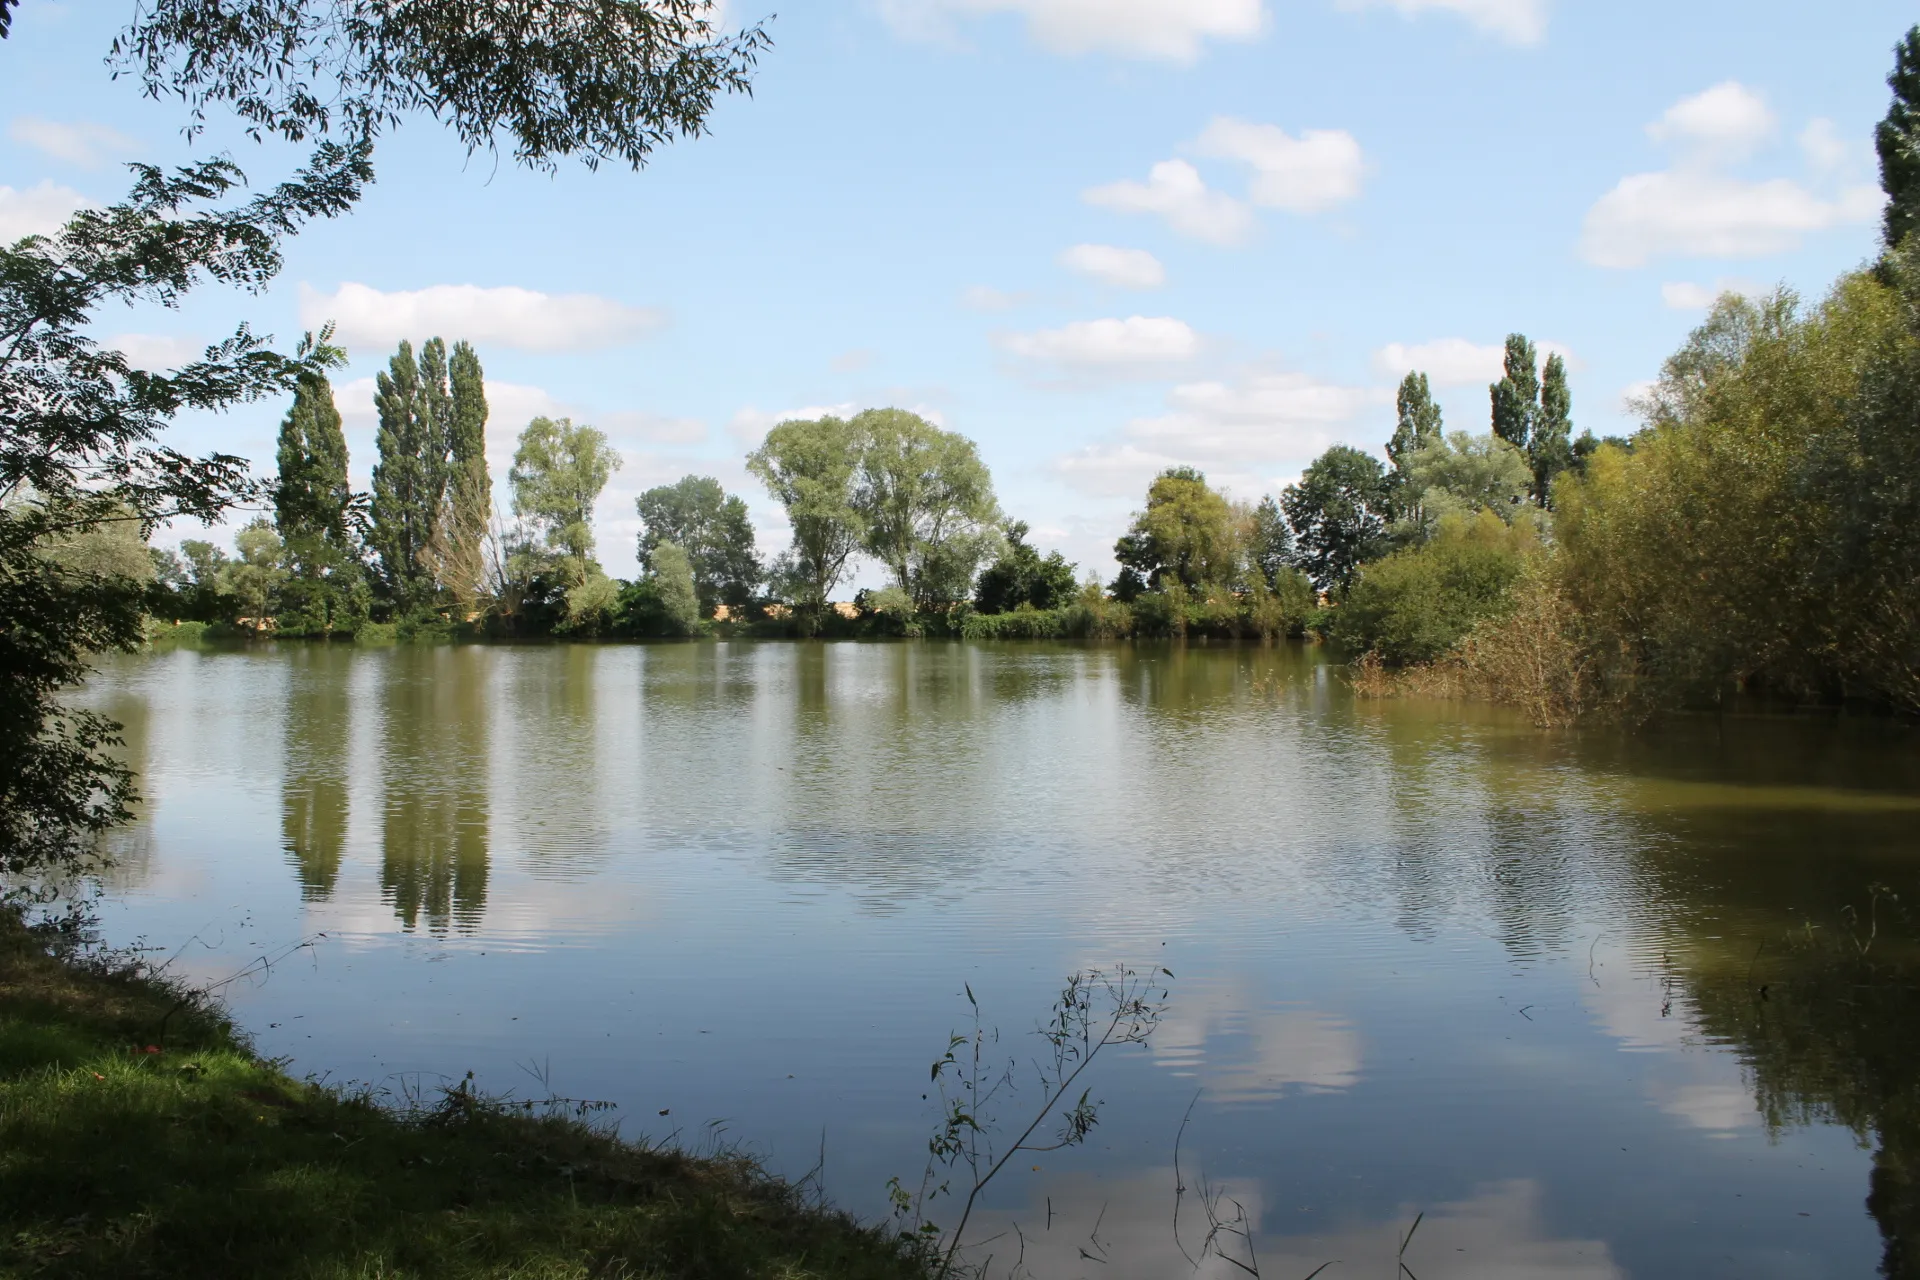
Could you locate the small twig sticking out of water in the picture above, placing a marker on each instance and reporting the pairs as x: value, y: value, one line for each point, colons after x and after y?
x: 1401, y: 1257
x: 1590, y: 950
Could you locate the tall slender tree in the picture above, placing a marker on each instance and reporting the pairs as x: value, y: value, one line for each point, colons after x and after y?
x: 1516, y: 397
x: 325, y: 591
x: 1419, y: 425
x: 403, y: 510
x: 469, y: 488
x: 1551, y: 449
x: 435, y: 411
x: 1897, y: 139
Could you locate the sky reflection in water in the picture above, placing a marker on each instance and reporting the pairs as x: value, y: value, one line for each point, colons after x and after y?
x: 1429, y: 959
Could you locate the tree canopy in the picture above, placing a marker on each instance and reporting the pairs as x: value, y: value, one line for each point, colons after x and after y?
x: 712, y: 529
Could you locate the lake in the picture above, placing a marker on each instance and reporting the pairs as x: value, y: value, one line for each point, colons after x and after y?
x: 1595, y: 1004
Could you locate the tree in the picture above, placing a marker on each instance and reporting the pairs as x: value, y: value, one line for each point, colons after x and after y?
x: 1551, y: 450
x: 255, y: 579
x: 1461, y: 475
x: 927, y: 502
x: 1419, y: 424
x: 1270, y: 543
x: 557, y: 475
x: 405, y: 501
x: 812, y: 468
x: 673, y: 581
x: 324, y: 590
x: 1516, y: 397
x: 1185, y: 535
x: 1897, y: 139
x: 1020, y: 578
x: 468, y: 504
x: 1338, y: 511
x: 712, y: 528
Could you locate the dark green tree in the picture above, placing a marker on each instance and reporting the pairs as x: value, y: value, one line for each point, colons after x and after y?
x: 1516, y: 397
x: 1270, y: 544
x: 712, y: 527
x: 1022, y: 577
x: 1551, y: 450
x: 1897, y: 139
x: 467, y: 503
x: 406, y: 505
x: 1339, y: 511
x: 325, y: 591
x: 1419, y: 422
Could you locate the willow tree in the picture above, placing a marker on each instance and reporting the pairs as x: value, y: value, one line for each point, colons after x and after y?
x: 812, y: 468
x: 927, y: 500
x: 558, y: 472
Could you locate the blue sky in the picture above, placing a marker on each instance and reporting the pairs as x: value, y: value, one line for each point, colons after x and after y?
x: 1097, y: 236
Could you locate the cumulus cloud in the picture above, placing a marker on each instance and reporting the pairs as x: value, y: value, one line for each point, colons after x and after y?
x: 1515, y: 21
x: 1175, y: 191
x: 505, y: 317
x: 1684, y: 295
x: 1135, y: 340
x: 1697, y: 208
x: 1454, y: 362
x: 1826, y: 150
x: 1167, y: 30
x: 40, y: 210
x: 1243, y: 431
x: 1694, y: 213
x: 87, y: 145
x: 751, y: 424
x: 1727, y: 121
x: 1127, y: 268
x: 1313, y: 172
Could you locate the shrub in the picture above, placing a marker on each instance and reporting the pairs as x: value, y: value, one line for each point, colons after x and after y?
x: 1417, y: 604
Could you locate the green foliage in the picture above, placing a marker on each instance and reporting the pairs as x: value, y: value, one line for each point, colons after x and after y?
x: 558, y: 472
x: 1551, y: 450
x: 1187, y: 533
x: 672, y: 576
x: 927, y: 504
x: 712, y: 527
x: 1027, y: 624
x: 194, y: 1157
x: 254, y: 580
x: 1338, y: 510
x: 1460, y: 475
x: 812, y: 468
x: 1270, y: 545
x: 1897, y: 139
x: 1516, y: 397
x: 1419, y: 423
x: 1416, y: 604
x: 469, y: 489
x: 324, y: 590
x: 406, y: 496
x: 1020, y: 578
x: 431, y: 491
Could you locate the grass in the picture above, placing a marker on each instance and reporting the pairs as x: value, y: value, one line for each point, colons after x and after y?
x: 140, y: 1136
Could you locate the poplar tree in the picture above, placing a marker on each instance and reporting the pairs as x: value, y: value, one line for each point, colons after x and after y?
x: 404, y: 506
x: 312, y: 502
x: 468, y: 491
x: 1419, y: 424
x: 1516, y: 397
x: 1897, y: 139
x: 1551, y: 449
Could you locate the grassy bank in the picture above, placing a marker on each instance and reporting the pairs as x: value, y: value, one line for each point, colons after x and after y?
x: 139, y: 1136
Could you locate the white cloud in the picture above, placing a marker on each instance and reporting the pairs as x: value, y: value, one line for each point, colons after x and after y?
x: 87, y: 145
x: 1515, y: 21
x: 1241, y: 431
x: 1725, y: 122
x: 40, y: 210
x: 852, y: 361
x: 982, y: 297
x: 1454, y: 362
x: 1826, y: 151
x: 155, y: 351
x: 506, y: 317
x: 1170, y: 30
x: 1175, y: 191
x: 1688, y: 212
x: 1684, y: 295
x: 1137, y: 339
x: 1127, y: 268
x: 1316, y: 171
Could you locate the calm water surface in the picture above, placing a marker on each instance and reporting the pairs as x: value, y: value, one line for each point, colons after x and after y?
x: 1597, y: 1006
